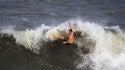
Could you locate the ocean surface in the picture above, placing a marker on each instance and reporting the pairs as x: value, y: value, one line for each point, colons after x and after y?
x: 27, y: 27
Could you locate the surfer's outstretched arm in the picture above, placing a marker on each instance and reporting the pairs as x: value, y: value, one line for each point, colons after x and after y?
x: 70, y: 26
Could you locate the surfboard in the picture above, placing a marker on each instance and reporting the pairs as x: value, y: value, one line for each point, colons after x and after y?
x: 49, y: 34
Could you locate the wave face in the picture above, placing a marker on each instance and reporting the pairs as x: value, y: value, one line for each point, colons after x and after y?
x: 100, y: 47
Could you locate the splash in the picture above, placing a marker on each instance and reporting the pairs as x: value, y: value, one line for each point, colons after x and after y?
x: 109, y: 48
x: 28, y: 38
x: 105, y: 44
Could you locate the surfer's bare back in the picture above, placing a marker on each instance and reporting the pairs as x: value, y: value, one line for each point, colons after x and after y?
x: 69, y: 39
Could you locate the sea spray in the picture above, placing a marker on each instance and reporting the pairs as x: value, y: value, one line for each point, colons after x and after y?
x: 109, y: 47
x: 28, y: 38
x: 105, y: 44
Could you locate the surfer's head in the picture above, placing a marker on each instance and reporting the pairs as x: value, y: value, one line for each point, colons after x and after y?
x: 70, y: 30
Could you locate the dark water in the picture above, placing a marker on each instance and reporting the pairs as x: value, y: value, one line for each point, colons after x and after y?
x: 52, y: 56
x: 32, y: 13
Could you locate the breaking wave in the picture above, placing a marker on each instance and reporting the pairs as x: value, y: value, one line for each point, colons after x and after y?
x: 104, y: 45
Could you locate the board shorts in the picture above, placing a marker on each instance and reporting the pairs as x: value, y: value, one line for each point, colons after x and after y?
x: 66, y: 39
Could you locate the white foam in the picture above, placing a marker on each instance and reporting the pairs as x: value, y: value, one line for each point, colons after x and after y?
x: 109, y: 52
x: 28, y: 38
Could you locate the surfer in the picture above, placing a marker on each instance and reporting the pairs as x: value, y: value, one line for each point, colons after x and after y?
x: 69, y: 38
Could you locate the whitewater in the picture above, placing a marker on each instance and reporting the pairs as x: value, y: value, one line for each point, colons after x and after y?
x: 105, y: 44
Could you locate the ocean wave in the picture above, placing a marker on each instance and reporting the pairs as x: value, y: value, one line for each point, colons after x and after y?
x: 104, y: 45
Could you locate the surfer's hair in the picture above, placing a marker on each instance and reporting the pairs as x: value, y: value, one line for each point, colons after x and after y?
x: 70, y: 30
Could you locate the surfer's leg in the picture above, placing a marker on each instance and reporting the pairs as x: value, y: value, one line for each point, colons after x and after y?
x: 66, y: 43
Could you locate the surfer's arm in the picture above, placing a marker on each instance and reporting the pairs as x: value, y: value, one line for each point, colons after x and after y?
x: 70, y: 26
